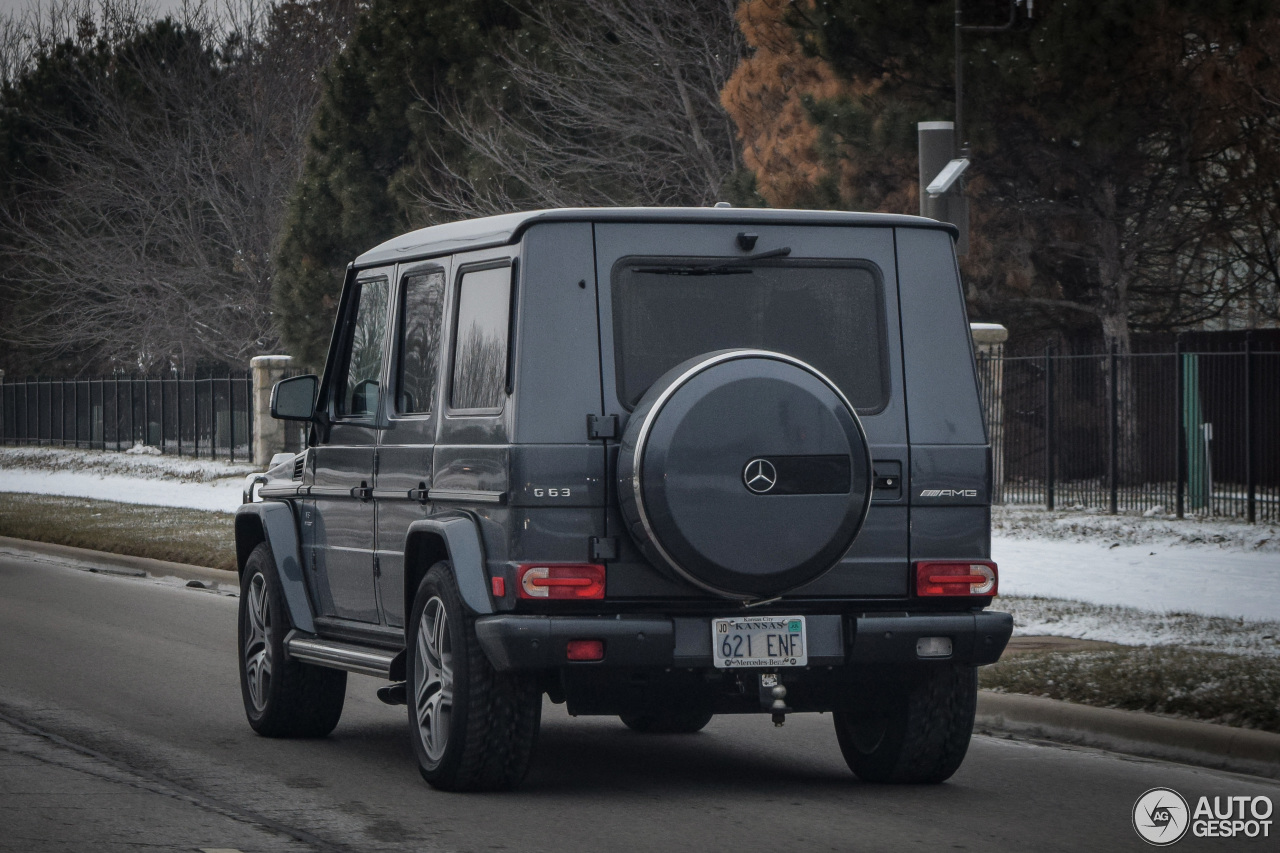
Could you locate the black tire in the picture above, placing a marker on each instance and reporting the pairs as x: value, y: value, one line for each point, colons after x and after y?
x: 480, y: 737
x: 282, y: 698
x: 916, y: 733
x: 677, y: 721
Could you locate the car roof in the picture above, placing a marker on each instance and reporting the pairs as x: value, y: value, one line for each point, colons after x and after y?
x: 501, y: 230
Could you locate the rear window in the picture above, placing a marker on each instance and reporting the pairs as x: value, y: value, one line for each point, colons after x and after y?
x: 827, y: 314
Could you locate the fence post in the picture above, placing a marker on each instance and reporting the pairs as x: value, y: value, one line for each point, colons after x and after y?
x: 177, y: 397
x: 163, y: 413
x: 4, y: 413
x: 231, y: 419
x: 133, y: 415
x: 268, y: 433
x: 1049, y: 443
x: 1113, y: 464
x: 1181, y: 444
x: 1251, y: 474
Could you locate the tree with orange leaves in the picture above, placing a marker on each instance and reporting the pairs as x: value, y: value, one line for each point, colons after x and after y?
x: 1121, y: 148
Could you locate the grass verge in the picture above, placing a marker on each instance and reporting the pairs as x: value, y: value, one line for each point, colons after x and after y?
x: 163, y: 533
x: 1213, y: 687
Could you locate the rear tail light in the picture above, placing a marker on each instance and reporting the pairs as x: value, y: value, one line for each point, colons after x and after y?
x: 560, y: 581
x: 584, y: 650
x: 970, y: 577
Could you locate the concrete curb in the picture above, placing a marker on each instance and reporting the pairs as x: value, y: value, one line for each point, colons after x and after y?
x: 122, y: 562
x: 1132, y: 732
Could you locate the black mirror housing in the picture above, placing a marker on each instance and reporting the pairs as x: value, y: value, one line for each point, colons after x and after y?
x: 294, y: 399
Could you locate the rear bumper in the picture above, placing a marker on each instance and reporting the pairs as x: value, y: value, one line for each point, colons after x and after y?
x: 514, y: 642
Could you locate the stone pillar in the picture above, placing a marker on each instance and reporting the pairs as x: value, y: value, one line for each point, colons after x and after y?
x: 268, y: 433
x: 988, y: 346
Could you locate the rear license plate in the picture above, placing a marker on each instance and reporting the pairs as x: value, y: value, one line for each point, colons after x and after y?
x: 758, y: 641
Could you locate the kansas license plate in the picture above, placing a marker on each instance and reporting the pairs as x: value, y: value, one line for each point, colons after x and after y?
x: 759, y: 641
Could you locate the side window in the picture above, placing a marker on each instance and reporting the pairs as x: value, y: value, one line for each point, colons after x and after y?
x: 480, y: 349
x: 419, y: 342
x: 358, y: 394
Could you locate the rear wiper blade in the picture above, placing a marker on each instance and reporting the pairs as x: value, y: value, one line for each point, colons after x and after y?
x: 732, y: 266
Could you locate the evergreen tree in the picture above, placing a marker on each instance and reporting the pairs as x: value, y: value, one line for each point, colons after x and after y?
x: 369, y: 131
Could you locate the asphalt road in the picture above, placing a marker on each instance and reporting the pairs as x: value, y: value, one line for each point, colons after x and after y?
x: 121, y: 728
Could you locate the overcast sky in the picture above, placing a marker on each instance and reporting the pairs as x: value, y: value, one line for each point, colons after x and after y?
x: 19, y: 6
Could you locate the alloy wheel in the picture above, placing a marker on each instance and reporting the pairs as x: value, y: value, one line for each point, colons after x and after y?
x: 257, y: 643
x: 433, y: 679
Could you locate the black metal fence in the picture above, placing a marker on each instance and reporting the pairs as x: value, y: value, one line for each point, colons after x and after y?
x: 187, y: 416
x: 1183, y: 433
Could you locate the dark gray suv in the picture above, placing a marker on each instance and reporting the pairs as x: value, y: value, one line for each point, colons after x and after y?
x: 655, y: 463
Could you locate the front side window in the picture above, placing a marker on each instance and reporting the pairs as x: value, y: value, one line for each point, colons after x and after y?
x: 828, y: 314
x: 480, y: 351
x: 420, y: 342
x: 359, y: 393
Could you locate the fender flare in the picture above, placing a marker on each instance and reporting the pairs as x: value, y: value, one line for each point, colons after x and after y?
x: 461, y: 540
x: 273, y: 522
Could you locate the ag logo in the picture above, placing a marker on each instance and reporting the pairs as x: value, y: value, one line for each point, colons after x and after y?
x: 1160, y: 816
x: 760, y: 475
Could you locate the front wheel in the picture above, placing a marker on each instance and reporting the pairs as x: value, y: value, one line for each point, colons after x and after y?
x: 282, y: 698
x: 913, y: 733
x: 472, y: 728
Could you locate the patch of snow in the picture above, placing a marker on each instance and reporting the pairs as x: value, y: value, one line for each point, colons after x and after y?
x: 1131, y: 626
x: 1150, y: 528
x: 1210, y: 580
x: 147, y: 463
x: 215, y: 496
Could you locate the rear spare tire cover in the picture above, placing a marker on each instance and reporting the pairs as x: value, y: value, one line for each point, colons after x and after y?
x: 745, y: 472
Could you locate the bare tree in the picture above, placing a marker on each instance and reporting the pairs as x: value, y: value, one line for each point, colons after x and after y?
x: 609, y: 103
x: 150, y: 239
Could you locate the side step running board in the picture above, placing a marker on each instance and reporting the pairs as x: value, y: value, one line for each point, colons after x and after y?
x: 336, y: 655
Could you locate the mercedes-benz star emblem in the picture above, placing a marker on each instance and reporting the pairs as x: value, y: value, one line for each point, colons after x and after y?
x: 760, y: 476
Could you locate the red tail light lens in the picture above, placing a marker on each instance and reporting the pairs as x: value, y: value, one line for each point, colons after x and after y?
x: 970, y: 577
x: 561, y: 581
x: 584, y: 650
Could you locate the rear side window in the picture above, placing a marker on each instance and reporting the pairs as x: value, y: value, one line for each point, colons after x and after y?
x: 830, y: 315
x: 420, y: 342
x: 480, y: 351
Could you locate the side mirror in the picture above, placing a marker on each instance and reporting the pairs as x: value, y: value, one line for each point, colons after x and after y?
x: 294, y: 399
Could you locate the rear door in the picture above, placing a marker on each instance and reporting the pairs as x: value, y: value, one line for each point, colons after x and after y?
x: 405, y: 454
x: 830, y: 300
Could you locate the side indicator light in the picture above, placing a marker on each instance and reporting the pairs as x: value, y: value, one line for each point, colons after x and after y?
x: 952, y: 578
x: 579, y: 581
x: 499, y: 586
x: 584, y: 650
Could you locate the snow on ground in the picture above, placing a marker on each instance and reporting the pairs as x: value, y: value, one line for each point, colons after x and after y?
x: 141, y: 477
x: 1215, y: 568
x: 1034, y: 617
x: 1127, y: 579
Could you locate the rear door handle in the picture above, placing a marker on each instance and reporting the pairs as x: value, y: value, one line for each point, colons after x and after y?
x: 363, y: 491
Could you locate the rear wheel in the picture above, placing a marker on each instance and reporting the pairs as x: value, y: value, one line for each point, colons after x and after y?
x: 677, y: 721
x: 282, y: 698
x: 913, y: 733
x: 472, y: 728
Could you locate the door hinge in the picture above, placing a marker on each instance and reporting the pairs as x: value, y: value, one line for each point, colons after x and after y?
x: 604, y: 549
x: 376, y: 460
x: 377, y: 567
x: 602, y: 426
